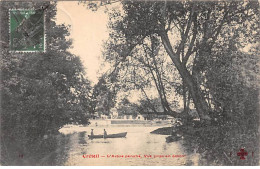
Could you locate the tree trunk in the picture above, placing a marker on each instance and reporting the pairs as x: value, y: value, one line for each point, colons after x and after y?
x: 199, y: 101
x: 184, y: 96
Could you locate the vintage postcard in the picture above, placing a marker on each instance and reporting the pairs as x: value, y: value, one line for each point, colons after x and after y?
x: 129, y: 83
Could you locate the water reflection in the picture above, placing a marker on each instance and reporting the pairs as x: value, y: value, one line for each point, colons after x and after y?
x: 69, y: 147
x: 35, y: 151
x: 82, y: 138
x: 139, y: 141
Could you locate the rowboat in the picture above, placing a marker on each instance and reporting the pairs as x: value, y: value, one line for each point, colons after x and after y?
x: 118, y: 135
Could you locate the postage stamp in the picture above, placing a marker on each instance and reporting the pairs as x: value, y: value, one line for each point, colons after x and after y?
x: 26, y: 30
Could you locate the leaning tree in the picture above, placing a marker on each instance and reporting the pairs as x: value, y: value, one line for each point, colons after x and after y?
x: 188, y: 31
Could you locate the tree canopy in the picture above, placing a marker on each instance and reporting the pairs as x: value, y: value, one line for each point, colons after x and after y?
x: 189, y: 32
x: 41, y: 91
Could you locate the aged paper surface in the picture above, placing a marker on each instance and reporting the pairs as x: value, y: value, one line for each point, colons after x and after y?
x: 129, y: 83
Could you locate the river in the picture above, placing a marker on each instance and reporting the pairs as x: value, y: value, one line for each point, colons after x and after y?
x: 72, y: 147
x: 138, y: 148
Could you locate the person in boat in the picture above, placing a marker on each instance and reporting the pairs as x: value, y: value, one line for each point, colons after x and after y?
x: 92, y: 133
x: 105, y: 133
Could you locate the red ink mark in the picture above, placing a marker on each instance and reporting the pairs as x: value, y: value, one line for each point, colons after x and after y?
x: 90, y: 155
x: 242, y: 154
x: 20, y: 155
x: 252, y: 154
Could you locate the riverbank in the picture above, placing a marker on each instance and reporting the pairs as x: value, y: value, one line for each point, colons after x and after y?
x: 218, y: 145
x: 162, y: 131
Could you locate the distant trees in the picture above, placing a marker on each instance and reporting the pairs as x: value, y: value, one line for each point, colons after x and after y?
x: 41, y: 91
x: 102, y: 96
x: 125, y: 107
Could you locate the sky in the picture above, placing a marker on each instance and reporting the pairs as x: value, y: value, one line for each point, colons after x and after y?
x: 88, y: 31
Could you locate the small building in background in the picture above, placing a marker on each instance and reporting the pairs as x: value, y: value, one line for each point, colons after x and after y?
x: 128, y: 117
x: 114, y: 113
x: 104, y: 116
x: 153, y: 116
x: 140, y: 117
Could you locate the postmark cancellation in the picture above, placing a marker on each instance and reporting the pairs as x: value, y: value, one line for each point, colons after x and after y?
x: 27, y: 30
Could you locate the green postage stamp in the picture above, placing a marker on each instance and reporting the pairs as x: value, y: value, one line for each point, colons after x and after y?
x: 27, y: 30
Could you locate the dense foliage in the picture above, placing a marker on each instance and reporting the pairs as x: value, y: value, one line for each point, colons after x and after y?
x: 186, y: 31
x: 207, y: 43
x: 40, y: 92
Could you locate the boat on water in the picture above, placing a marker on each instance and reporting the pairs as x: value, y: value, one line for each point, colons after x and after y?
x: 118, y: 135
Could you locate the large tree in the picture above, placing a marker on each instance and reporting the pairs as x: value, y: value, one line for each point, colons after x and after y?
x: 187, y: 30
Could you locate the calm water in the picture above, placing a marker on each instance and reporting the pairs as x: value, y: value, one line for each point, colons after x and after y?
x: 138, y: 141
x: 68, y: 148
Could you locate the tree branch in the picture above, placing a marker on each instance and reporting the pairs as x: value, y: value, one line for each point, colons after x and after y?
x: 195, y: 31
x: 186, y: 32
